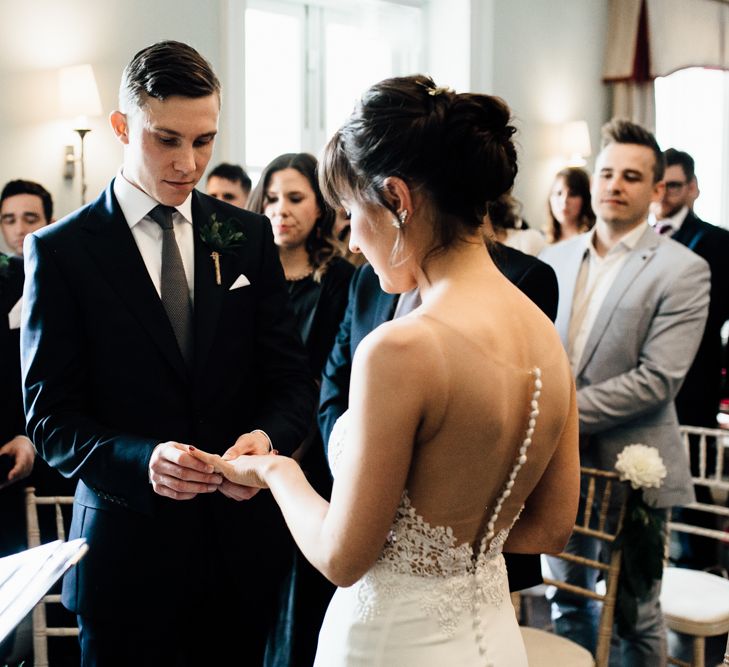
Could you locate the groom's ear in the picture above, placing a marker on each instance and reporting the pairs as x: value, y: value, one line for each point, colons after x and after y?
x: 120, y: 126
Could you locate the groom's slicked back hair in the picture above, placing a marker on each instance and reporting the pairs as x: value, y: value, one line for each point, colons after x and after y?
x: 165, y: 69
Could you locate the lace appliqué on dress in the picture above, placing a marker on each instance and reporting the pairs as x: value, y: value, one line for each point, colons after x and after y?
x: 422, y: 560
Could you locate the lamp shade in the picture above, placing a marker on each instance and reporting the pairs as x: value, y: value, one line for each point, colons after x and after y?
x: 575, y: 142
x: 79, y: 95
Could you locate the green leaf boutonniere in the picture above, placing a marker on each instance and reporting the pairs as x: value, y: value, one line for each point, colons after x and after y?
x: 222, y: 236
x: 4, y: 265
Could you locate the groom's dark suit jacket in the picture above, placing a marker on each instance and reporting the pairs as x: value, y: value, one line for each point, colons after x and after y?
x: 698, y: 401
x: 105, y: 382
x: 369, y: 307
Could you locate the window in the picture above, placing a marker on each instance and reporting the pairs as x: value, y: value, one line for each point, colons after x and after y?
x: 307, y: 63
x: 692, y: 114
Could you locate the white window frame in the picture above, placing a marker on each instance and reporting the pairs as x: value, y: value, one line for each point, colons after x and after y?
x: 313, y: 95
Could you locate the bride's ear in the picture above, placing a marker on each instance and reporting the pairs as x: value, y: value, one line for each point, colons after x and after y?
x: 398, y: 194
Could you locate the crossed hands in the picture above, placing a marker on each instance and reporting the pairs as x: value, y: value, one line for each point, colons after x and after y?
x: 180, y: 471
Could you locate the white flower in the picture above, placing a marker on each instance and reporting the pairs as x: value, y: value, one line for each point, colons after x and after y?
x: 641, y: 465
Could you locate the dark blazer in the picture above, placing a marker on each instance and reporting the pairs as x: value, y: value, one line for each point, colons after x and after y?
x: 105, y: 383
x: 12, y: 420
x: 369, y: 307
x: 698, y: 401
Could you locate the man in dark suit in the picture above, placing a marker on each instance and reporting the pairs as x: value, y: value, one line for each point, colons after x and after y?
x: 25, y: 206
x: 369, y: 307
x: 17, y: 450
x: 147, y: 330
x: 698, y: 401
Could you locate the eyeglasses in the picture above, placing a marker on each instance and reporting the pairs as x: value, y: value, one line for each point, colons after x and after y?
x: 674, y: 186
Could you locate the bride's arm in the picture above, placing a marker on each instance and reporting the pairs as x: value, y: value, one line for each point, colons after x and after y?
x: 549, y: 512
x: 342, y: 539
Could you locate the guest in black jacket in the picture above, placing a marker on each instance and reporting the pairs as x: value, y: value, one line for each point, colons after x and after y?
x: 698, y: 401
x: 25, y: 206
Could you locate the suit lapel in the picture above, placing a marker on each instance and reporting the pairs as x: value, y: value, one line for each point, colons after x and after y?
x: 111, y: 243
x: 687, y: 231
x: 691, y: 231
x: 385, y: 310
x: 637, y: 259
x: 208, y: 294
x: 568, y: 270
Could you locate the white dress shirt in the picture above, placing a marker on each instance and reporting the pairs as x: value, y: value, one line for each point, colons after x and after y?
x: 135, y: 206
x: 594, y: 280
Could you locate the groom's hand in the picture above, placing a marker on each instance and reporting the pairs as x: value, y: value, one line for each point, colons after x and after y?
x: 248, y: 443
x: 176, y: 474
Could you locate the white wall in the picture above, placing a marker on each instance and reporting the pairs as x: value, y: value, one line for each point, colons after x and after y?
x: 39, y: 36
x: 543, y: 57
x: 547, y: 64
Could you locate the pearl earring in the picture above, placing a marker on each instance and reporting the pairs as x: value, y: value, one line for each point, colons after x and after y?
x: 402, y: 216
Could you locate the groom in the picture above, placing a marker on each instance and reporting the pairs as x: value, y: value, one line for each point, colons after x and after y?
x: 142, y: 336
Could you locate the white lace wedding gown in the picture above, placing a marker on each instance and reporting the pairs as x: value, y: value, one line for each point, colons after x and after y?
x: 427, y: 601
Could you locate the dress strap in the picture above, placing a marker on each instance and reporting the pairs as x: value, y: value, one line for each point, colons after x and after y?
x: 489, y: 529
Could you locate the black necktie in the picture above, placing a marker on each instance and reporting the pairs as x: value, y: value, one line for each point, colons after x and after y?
x: 173, y: 283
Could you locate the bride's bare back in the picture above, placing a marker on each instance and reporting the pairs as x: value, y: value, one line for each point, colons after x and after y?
x: 479, y: 346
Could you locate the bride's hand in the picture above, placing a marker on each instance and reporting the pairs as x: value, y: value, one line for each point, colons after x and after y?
x: 245, y: 471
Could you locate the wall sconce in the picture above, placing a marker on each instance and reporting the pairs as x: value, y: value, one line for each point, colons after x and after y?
x: 574, y: 143
x: 79, y: 98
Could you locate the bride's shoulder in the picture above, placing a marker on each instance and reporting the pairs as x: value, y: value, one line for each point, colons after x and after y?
x: 404, y: 344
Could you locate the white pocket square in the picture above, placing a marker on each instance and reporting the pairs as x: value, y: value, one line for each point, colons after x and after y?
x: 14, y: 315
x: 240, y: 281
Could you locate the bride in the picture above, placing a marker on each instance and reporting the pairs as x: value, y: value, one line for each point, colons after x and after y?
x: 462, y: 430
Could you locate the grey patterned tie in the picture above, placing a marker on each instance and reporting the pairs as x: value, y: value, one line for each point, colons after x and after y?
x: 173, y: 283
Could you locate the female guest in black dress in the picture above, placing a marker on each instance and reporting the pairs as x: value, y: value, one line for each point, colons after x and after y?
x: 318, y: 280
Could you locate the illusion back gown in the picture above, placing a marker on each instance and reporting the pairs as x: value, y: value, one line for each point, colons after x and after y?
x: 432, y: 599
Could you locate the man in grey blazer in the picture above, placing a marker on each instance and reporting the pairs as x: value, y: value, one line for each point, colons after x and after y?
x: 632, y: 311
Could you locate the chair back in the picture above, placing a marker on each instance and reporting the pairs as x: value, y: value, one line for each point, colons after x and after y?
x: 605, y: 499
x: 55, y: 504
x: 706, y: 448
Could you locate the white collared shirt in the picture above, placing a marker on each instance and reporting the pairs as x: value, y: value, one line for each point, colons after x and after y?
x: 15, y: 314
x: 594, y: 280
x: 136, y: 205
x: 676, y: 220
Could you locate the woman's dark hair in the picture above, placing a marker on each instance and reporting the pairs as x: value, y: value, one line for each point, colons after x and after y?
x: 577, y: 182
x: 320, y: 244
x: 455, y: 148
x: 504, y: 213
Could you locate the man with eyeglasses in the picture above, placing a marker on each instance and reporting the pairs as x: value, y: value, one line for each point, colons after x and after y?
x: 698, y: 401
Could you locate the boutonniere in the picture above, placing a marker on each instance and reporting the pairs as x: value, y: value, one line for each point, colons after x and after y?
x: 222, y: 236
x: 4, y: 265
x: 642, y: 532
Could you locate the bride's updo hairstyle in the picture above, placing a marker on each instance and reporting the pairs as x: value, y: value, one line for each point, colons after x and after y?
x: 456, y: 149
